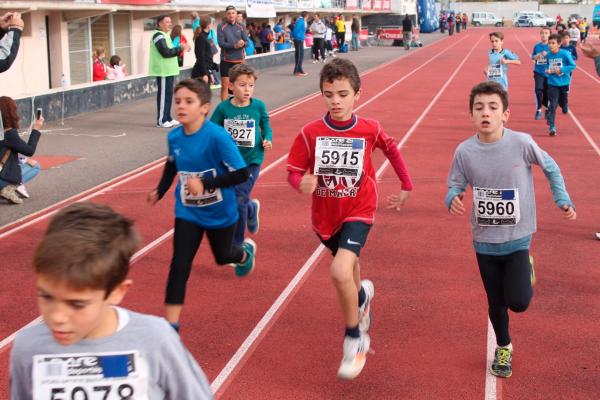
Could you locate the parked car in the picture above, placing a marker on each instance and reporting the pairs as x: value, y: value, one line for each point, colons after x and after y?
x: 485, y: 18
x: 523, y: 20
x: 535, y: 18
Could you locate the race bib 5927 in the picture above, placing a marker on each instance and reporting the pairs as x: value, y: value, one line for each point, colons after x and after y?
x: 243, y: 131
x: 90, y: 376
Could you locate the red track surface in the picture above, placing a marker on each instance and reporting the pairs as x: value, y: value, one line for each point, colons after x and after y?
x: 430, y: 323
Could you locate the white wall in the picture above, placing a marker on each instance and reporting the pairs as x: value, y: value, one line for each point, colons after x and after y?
x: 507, y: 9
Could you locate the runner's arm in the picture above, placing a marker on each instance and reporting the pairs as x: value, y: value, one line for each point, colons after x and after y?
x: 265, y: 126
x: 457, y: 181
x: 390, y: 149
x: 169, y: 173
x: 231, y: 178
x: 298, y: 160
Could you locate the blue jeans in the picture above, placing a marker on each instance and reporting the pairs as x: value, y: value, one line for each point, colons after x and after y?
x: 354, y: 41
x: 27, y: 173
x: 245, y: 206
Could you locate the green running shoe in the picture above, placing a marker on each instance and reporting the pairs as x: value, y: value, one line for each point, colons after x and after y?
x: 247, y: 266
x: 502, y: 365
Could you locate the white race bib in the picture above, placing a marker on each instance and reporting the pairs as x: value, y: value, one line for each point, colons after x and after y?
x: 90, y: 376
x: 207, y: 198
x: 542, y: 60
x: 555, y: 64
x: 339, y: 156
x: 496, y: 207
x: 243, y: 131
x: 495, y: 71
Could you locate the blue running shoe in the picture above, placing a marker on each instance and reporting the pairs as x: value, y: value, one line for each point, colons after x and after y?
x: 245, y: 268
x: 538, y: 115
x: 552, y: 131
x: 253, y: 221
x: 565, y: 110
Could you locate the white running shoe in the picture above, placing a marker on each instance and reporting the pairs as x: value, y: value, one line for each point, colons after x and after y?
x: 174, y: 122
x: 167, y: 124
x: 598, y: 235
x: 364, y: 312
x: 355, y: 356
x: 22, y: 191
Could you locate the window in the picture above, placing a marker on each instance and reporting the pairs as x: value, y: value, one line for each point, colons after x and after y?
x: 110, y: 31
x: 149, y: 24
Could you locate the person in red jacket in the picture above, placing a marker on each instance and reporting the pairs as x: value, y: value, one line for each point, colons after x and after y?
x: 330, y: 159
x: 99, y: 69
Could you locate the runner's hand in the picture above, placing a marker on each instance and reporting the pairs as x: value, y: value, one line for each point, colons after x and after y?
x: 152, y: 197
x: 397, y: 201
x: 570, y: 213
x: 195, y: 186
x: 308, y: 184
x: 267, y: 144
x: 5, y: 20
x: 457, y: 207
x: 590, y: 51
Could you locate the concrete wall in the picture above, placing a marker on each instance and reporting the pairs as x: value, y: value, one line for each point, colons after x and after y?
x: 59, y: 103
x: 585, y: 10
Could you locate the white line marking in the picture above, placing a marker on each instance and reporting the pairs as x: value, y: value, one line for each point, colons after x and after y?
x: 585, y: 133
x: 86, y: 135
x: 490, y: 380
x: 290, y: 288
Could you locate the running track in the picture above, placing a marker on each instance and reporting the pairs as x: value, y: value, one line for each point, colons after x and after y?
x: 430, y: 330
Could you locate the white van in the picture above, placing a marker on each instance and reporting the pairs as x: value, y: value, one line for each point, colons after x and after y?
x: 536, y: 18
x: 485, y: 18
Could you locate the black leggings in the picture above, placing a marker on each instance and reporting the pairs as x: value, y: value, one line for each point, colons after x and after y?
x: 507, y: 282
x: 186, y: 241
x: 541, y: 90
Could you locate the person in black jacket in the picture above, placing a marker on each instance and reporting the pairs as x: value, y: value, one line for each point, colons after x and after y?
x: 202, y: 49
x: 15, y: 172
x: 11, y: 26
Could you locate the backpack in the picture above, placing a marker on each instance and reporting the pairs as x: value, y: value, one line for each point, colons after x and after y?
x: 270, y: 37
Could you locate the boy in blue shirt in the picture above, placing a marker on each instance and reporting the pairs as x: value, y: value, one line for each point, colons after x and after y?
x: 499, y: 59
x: 540, y: 78
x: 247, y: 121
x: 208, y: 164
x: 560, y: 66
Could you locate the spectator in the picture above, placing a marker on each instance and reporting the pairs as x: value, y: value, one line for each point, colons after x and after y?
x: 266, y: 37
x: 451, y: 24
x: 298, y: 35
x: 178, y: 38
x: 232, y: 38
x: 583, y: 30
x: 163, y: 65
x: 115, y: 70
x: 355, y: 28
x: 340, y: 29
x: 279, y: 31
x: 318, y: 29
x: 195, y: 21
x: 212, y: 40
x: 98, y: 67
x: 240, y: 19
x: 328, y: 37
x: 11, y: 26
x: 407, y: 27
x: 16, y: 169
x: 254, y: 35
x: 465, y: 21
x: 202, y: 49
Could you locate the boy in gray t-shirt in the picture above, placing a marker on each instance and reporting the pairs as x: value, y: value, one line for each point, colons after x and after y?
x: 87, y: 347
x: 496, y: 162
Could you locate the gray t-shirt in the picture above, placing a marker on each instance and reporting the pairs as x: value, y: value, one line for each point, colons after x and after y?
x: 503, y: 193
x: 145, y: 356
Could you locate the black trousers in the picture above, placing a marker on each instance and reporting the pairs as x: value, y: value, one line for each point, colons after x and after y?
x: 186, y: 241
x: 507, y: 283
x: 541, y: 90
x: 164, y: 98
x: 341, y: 38
x: 298, y: 55
x: 318, y: 47
x: 557, y: 96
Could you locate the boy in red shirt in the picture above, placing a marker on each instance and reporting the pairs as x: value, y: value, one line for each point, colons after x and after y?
x: 331, y: 159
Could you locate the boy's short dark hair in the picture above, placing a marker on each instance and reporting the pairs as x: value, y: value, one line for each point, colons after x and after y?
x: 489, y: 87
x: 241, y: 69
x: 564, y: 34
x: 554, y: 36
x: 160, y: 18
x: 87, y: 246
x: 340, y: 68
x: 499, y: 35
x: 198, y: 86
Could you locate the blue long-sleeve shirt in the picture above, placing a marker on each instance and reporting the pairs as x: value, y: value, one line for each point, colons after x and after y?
x: 542, y: 63
x: 299, y: 31
x: 564, y: 61
x: 497, y: 71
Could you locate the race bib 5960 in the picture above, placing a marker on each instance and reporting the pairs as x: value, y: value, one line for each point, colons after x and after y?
x: 206, y: 198
x: 496, y: 207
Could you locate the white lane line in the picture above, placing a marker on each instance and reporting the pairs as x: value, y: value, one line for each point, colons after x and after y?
x: 268, y: 319
x: 490, y: 380
x: 139, y: 254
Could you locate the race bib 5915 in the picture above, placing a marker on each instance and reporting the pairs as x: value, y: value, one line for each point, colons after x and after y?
x: 496, y: 207
x: 339, y: 156
x: 90, y: 376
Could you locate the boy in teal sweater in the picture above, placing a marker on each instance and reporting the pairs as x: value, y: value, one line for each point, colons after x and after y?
x: 247, y: 120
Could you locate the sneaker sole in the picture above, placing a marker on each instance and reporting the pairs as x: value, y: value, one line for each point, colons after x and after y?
x: 257, y: 224
x: 352, y: 372
x: 500, y: 375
